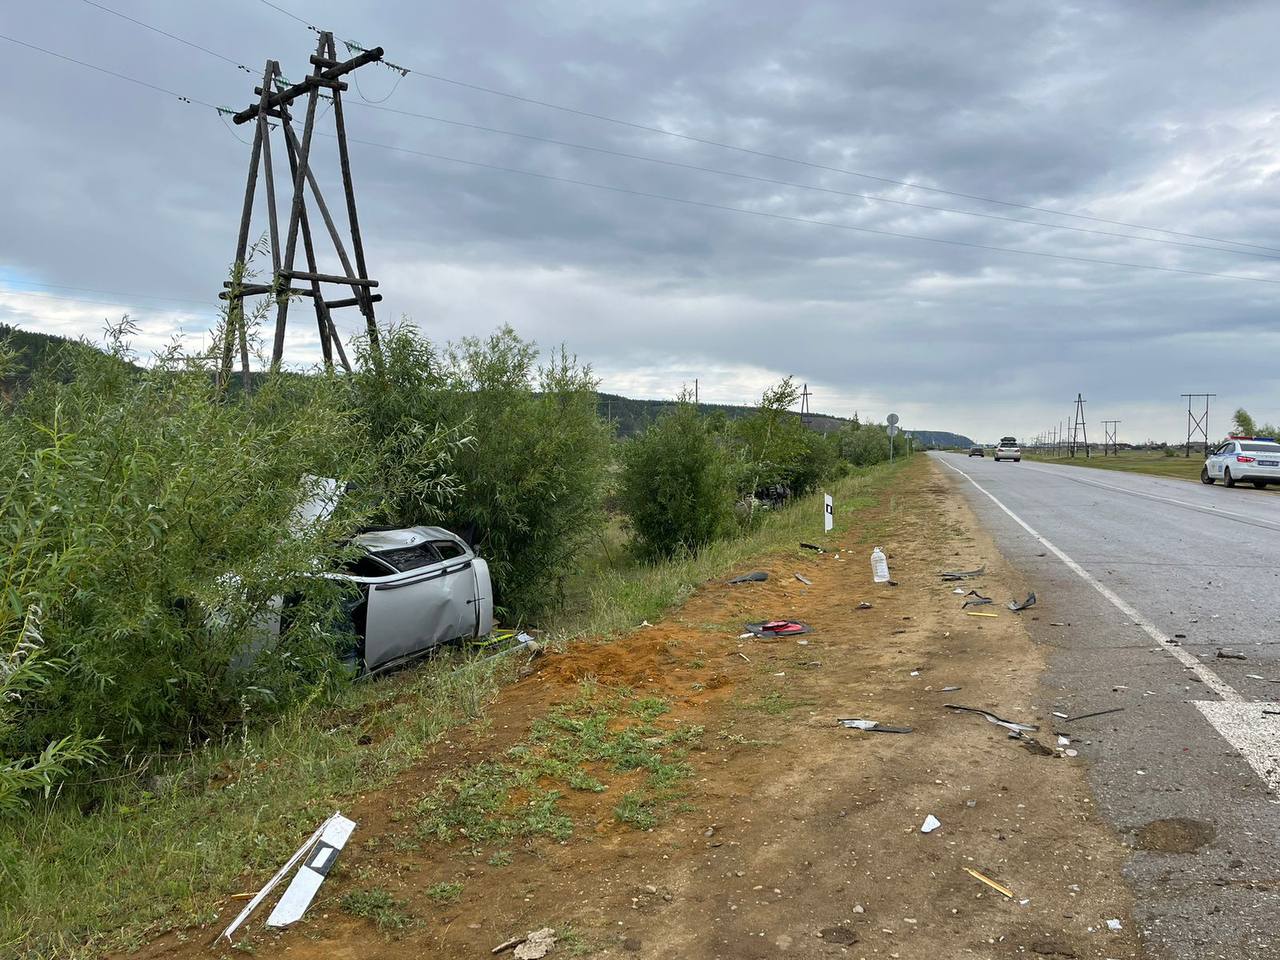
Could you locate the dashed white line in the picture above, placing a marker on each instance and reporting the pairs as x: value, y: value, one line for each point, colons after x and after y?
x: 1242, y: 724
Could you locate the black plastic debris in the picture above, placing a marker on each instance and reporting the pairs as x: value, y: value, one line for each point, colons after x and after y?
x: 779, y: 628
x: 963, y: 574
x: 1095, y: 713
x: 974, y: 599
x: 1029, y: 602
x: 992, y: 718
x: 1230, y: 655
x: 811, y: 546
x: 755, y: 577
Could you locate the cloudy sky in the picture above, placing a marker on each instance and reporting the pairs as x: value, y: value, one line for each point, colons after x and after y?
x: 122, y: 198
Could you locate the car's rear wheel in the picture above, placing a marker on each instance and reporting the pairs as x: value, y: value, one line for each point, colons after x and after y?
x: 1260, y: 484
x: 1204, y: 476
x: 1227, y: 478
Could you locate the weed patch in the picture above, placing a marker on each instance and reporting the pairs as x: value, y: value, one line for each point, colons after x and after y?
x: 575, y: 747
x: 378, y: 906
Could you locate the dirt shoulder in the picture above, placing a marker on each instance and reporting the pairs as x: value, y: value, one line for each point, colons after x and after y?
x: 683, y: 792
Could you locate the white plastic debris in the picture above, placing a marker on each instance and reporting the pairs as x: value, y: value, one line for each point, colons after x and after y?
x: 1064, y: 741
x: 879, y: 566
x: 1113, y: 925
x: 931, y: 823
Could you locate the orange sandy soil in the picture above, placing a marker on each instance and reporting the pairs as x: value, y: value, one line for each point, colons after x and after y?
x: 796, y: 837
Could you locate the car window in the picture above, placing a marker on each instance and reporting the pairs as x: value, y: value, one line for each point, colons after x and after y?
x: 1273, y: 448
x: 1227, y: 448
x: 367, y: 566
x: 410, y: 558
x: 448, y: 549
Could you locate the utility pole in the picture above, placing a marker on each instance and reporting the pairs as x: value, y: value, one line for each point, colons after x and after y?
x: 1197, y: 423
x: 805, y: 418
x: 1109, y: 437
x: 695, y: 393
x: 273, y: 103
x: 1078, y: 434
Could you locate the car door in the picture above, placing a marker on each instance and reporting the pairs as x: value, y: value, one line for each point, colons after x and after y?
x: 422, y: 605
x: 1218, y: 461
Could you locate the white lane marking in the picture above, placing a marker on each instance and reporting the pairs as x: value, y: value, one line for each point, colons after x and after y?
x: 1250, y: 731
x: 1201, y: 508
x: 1185, y: 657
x: 1241, y: 724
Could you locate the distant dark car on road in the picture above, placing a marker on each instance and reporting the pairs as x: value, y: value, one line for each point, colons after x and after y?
x: 977, y: 452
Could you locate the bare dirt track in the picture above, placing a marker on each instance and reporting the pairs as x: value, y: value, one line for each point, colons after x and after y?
x: 791, y: 836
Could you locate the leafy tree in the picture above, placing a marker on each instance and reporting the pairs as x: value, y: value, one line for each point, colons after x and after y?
x: 677, y: 488
x: 1243, y: 424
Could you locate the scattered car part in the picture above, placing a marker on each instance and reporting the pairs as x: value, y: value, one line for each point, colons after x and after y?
x: 811, y: 546
x: 963, y: 574
x: 864, y: 605
x: 1029, y: 602
x: 992, y: 718
x: 1096, y: 713
x: 931, y: 823
x: 759, y: 576
x: 805, y: 580
x: 974, y: 599
x: 870, y: 726
x: 1230, y: 655
x: 994, y: 885
x: 778, y: 628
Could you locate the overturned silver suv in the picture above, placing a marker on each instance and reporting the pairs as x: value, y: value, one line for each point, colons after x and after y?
x: 418, y: 587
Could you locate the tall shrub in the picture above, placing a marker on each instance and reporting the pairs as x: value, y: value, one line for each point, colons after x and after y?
x: 677, y: 488
x: 534, y: 473
x: 144, y: 522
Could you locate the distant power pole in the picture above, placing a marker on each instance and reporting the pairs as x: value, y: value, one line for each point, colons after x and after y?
x: 1078, y: 434
x: 1109, y: 437
x: 1197, y: 423
x: 804, y: 405
x: 695, y: 393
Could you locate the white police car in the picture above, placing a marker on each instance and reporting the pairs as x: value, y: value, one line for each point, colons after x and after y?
x: 1253, y: 460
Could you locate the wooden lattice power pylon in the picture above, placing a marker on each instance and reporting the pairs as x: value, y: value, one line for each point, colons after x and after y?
x: 275, y: 98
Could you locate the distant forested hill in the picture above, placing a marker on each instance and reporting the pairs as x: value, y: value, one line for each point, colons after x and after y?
x: 629, y: 416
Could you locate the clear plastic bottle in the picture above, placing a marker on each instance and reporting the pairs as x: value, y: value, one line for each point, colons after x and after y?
x: 879, y: 566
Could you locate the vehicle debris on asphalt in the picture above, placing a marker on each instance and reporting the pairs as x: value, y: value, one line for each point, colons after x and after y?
x: 805, y: 580
x: 317, y: 856
x: 993, y: 884
x: 1029, y: 602
x: 1095, y: 713
x: 870, y: 726
x: 931, y: 823
x: 1012, y: 725
x: 1230, y: 655
x: 778, y: 628
x: 758, y: 576
x: 950, y: 575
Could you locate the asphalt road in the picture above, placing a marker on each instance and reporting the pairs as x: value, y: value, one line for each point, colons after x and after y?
x: 1141, y: 580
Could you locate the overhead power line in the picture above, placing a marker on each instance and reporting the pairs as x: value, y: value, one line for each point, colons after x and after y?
x: 809, y: 186
x: 809, y: 220
x: 648, y: 128
x: 698, y: 203
x: 111, y: 73
x: 606, y: 151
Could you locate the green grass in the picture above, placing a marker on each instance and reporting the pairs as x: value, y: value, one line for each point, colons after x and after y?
x: 1153, y: 462
x: 109, y: 867
x: 380, y: 907
x: 153, y: 853
x: 445, y: 892
x: 576, y: 746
